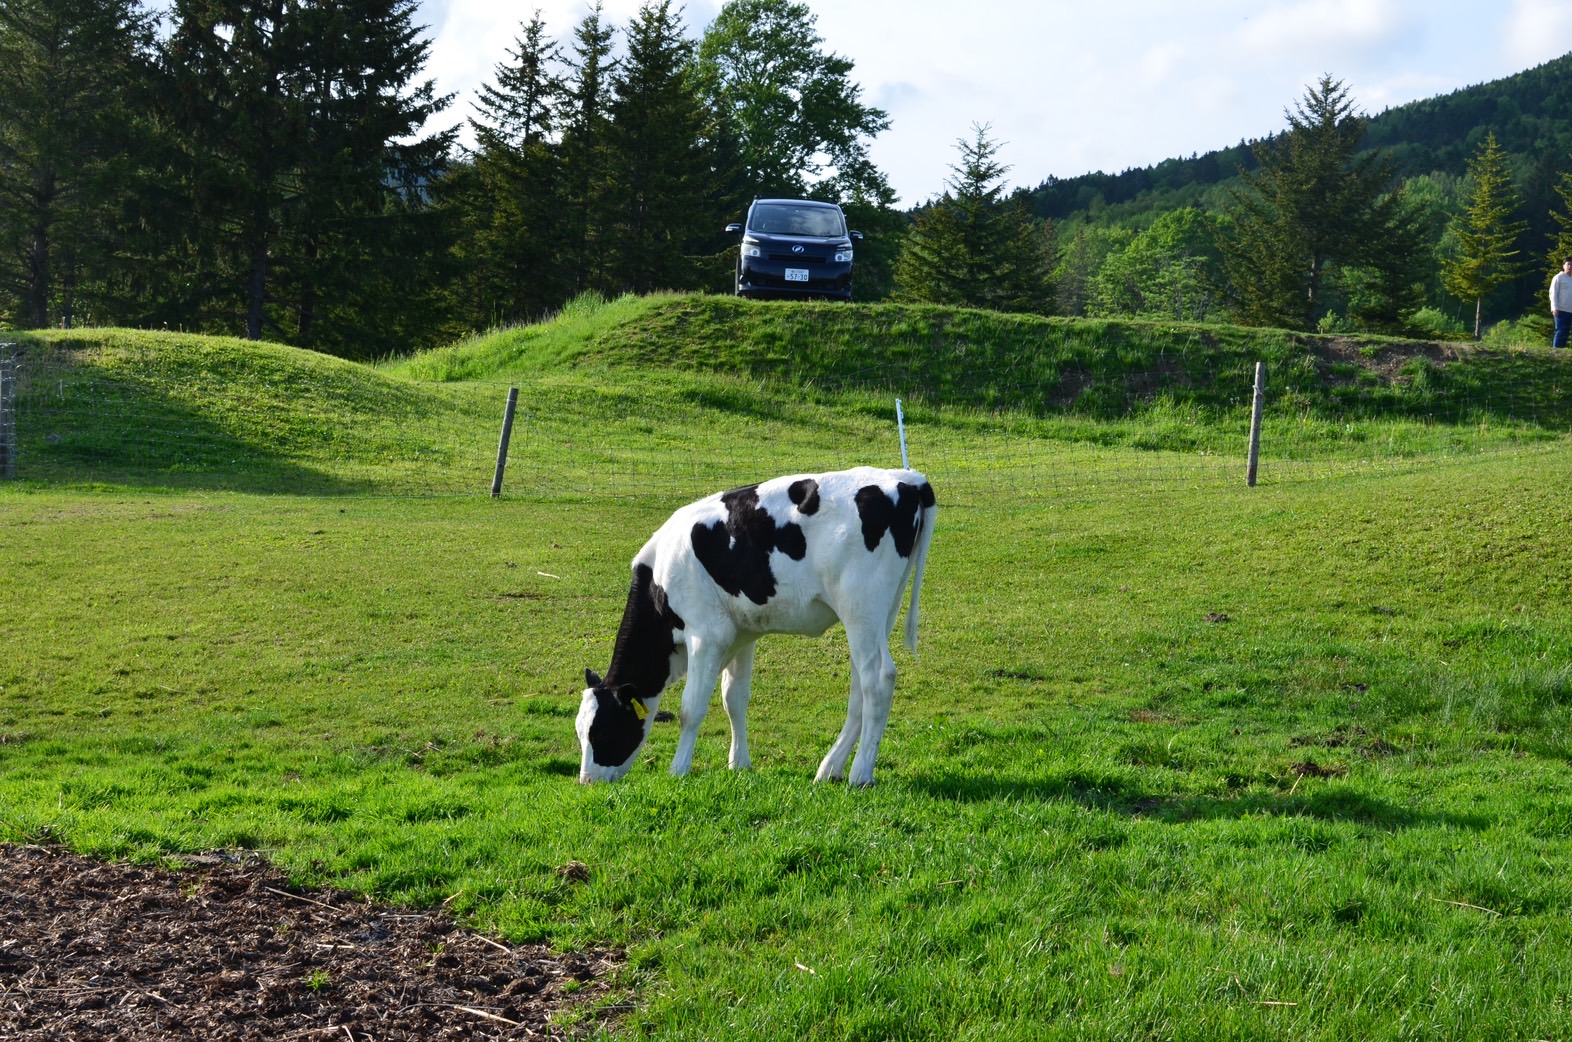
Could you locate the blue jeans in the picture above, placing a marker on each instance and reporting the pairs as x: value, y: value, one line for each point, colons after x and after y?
x: 1563, y: 328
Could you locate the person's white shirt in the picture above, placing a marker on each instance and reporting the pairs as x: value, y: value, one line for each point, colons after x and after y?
x: 1561, y: 292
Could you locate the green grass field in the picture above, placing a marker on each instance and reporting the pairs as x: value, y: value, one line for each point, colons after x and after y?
x: 1177, y: 759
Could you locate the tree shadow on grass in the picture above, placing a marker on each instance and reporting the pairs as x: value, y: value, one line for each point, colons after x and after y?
x: 1326, y: 801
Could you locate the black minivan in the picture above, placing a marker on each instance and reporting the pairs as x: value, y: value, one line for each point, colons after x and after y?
x: 794, y: 248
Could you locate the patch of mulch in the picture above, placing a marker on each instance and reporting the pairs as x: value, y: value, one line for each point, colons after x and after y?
x: 226, y: 949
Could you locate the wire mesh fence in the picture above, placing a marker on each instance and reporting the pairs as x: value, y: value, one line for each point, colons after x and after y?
x: 8, y: 375
x: 80, y: 417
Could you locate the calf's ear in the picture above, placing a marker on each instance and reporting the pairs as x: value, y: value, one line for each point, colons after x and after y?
x: 629, y: 700
x: 591, y: 679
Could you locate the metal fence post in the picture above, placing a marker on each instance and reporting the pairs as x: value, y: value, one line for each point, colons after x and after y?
x: 1255, y: 421
x: 8, y: 372
x: 502, y: 447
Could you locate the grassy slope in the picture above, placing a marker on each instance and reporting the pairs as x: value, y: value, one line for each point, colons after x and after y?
x: 193, y: 412
x: 1176, y: 761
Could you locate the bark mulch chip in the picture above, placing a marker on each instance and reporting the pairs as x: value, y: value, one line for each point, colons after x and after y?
x: 226, y: 949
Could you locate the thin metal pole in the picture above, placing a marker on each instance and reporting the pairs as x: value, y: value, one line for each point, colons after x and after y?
x: 1255, y: 421
x: 502, y: 447
x: 900, y: 422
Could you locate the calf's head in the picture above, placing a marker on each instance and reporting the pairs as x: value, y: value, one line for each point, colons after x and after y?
x: 612, y: 725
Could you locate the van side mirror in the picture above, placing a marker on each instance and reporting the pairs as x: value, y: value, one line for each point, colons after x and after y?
x: 734, y: 228
x: 856, y: 236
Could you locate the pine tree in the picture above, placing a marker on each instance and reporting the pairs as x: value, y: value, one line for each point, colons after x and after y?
x: 974, y: 247
x: 1486, y: 233
x: 67, y: 71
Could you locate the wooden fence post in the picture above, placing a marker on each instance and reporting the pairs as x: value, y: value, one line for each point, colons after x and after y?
x: 1255, y: 421
x: 8, y: 370
x: 502, y: 447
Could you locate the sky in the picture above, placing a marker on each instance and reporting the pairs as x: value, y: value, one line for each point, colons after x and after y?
x: 1066, y: 87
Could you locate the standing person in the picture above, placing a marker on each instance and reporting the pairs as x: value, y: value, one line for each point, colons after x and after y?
x: 1561, y: 303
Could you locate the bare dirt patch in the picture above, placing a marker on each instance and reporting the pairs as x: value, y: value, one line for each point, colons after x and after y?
x: 226, y: 949
x: 1385, y: 359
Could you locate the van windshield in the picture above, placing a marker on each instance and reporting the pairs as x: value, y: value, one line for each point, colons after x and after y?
x: 788, y: 219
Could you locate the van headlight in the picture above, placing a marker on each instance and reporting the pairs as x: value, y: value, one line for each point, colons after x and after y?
x: 843, y: 256
x: 751, y: 249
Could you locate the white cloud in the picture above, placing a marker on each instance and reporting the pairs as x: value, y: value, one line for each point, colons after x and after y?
x: 1537, y: 31
x: 1325, y: 27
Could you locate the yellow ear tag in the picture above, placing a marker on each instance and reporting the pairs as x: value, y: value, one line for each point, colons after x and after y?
x: 640, y: 709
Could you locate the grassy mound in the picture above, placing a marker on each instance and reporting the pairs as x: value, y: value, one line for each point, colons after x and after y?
x: 959, y: 357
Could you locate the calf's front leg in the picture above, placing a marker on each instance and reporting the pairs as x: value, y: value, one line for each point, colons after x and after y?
x: 705, y: 660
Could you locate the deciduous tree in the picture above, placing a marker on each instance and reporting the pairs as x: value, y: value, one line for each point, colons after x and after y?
x: 1167, y: 271
x: 797, y: 115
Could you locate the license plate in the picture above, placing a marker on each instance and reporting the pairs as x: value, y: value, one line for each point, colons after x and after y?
x: 796, y: 274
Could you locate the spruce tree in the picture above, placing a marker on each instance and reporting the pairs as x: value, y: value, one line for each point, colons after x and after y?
x: 358, y: 242
x: 307, y: 182
x: 975, y: 247
x: 228, y: 64
x: 1486, y: 232
x: 658, y: 171
x: 68, y: 71
x: 1561, y: 235
x: 1308, y: 213
x: 583, y: 149
x: 507, y: 194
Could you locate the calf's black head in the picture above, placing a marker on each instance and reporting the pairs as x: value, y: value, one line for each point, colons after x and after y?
x: 612, y: 725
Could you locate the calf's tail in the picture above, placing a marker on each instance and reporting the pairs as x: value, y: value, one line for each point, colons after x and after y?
x: 919, y: 559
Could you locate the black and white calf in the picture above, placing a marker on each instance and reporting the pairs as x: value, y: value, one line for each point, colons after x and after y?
x: 792, y: 555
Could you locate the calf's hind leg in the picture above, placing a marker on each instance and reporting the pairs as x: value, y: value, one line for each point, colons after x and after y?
x: 736, y: 688
x: 874, y: 669
x: 833, y: 766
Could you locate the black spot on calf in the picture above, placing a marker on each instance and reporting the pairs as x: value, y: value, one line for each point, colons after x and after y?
x: 736, y: 552
x: 640, y: 668
x: 899, y: 518
x: 805, y: 493
x: 641, y: 660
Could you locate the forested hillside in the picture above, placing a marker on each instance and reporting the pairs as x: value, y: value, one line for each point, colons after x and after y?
x: 1429, y: 142
x: 1530, y: 114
